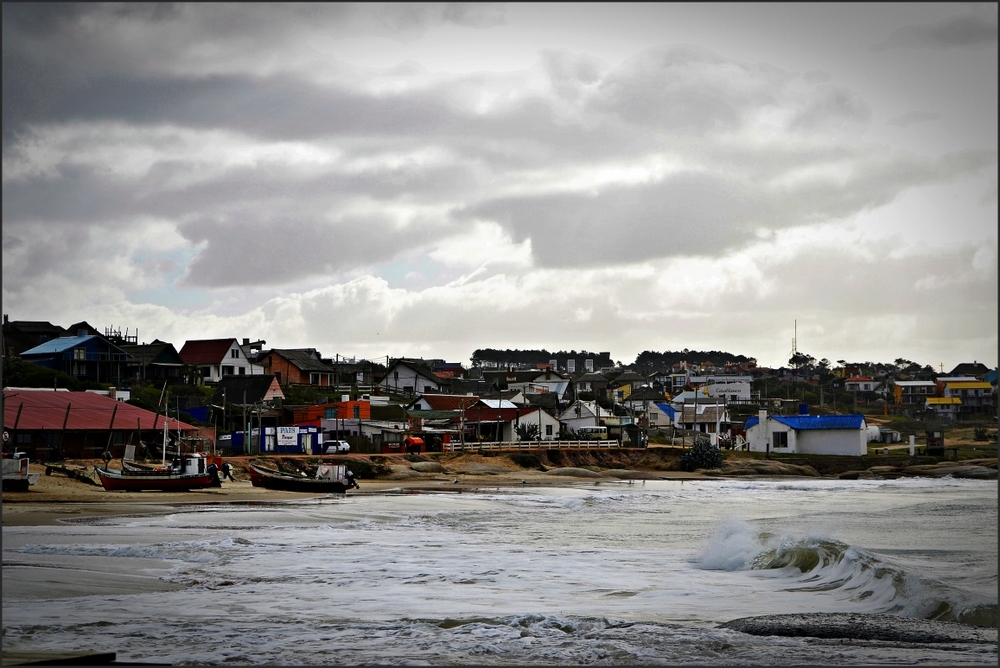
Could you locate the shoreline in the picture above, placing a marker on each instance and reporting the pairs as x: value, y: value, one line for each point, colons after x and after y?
x: 57, y: 497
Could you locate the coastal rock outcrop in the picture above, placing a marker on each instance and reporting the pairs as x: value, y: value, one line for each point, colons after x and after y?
x: 860, y: 626
x: 742, y: 467
x: 575, y: 472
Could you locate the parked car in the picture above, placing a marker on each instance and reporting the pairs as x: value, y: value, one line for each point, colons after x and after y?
x: 337, y: 447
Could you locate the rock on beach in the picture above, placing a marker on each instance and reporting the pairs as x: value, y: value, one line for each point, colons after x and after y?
x: 862, y: 626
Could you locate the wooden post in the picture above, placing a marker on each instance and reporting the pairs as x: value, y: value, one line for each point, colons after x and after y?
x: 66, y: 419
x: 17, y: 418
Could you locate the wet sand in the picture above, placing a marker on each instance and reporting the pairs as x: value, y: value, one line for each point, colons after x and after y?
x: 56, y: 497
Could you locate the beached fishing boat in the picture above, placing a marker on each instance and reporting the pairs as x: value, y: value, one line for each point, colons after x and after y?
x: 16, y: 477
x: 330, y: 479
x: 185, y: 472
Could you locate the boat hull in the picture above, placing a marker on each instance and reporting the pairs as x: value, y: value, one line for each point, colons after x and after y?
x: 261, y: 477
x: 139, y: 481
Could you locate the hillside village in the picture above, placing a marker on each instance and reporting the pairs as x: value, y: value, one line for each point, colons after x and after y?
x: 247, y: 398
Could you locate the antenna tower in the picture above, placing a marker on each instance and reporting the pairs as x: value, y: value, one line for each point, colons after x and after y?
x: 795, y: 337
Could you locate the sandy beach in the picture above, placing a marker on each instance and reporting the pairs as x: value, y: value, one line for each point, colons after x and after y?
x: 58, y: 496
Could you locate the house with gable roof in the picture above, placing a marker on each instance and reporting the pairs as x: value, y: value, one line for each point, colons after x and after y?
x: 158, y: 361
x: 216, y: 358
x: 21, y: 335
x: 297, y: 366
x: 411, y: 377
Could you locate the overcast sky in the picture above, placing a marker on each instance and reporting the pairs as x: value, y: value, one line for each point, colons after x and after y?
x: 425, y: 180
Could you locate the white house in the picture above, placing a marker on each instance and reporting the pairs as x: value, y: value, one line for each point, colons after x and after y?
x: 707, y: 418
x: 545, y: 381
x: 583, y: 414
x: 404, y: 377
x: 860, y: 384
x: 216, y: 358
x: 808, y: 434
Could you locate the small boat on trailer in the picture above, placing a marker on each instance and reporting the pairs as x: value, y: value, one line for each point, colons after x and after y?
x: 186, y: 472
x: 330, y: 479
x: 16, y: 477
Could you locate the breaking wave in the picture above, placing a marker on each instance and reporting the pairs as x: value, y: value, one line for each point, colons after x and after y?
x: 822, y: 564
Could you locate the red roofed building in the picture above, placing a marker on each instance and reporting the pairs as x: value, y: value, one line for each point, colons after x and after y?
x: 41, y: 422
x: 500, y: 424
x: 442, y: 402
x: 860, y: 384
x: 216, y: 358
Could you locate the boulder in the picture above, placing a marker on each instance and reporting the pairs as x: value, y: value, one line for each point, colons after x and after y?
x: 575, y: 472
x: 428, y: 467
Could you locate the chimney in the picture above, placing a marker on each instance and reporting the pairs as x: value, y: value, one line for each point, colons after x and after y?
x: 246, y: 342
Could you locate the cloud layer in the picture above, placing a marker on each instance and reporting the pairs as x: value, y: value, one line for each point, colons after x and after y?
x: 211, y: 168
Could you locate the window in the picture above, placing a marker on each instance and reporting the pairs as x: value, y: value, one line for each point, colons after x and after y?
x: 428, y: 388
x: 314, y: 379
x: 780, y: 439
x: 234, y: 353
x: 653, y: 416
x: 79, y: 353
x: 548, y: 430
x: 407, y: 388
x: 357, y: 412
x: 228, y: 370
x: 24, y: 438
x: 206, y: 371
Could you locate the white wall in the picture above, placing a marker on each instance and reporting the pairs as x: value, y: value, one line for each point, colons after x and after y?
x: 853, y: 442
x: 847, y: 442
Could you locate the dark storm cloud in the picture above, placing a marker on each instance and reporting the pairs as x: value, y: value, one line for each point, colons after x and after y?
x: 972, y: 31
x: 687, y: 89
x: 275, y: 248
x: 702, y: 214
x: 834, y: 108
x: 691, y: 214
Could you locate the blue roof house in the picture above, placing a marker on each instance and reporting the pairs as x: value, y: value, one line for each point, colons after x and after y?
x: 87, y: 357
x: 808, y: 434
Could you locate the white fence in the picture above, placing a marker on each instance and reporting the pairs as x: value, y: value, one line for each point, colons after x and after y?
x: 533, y: 445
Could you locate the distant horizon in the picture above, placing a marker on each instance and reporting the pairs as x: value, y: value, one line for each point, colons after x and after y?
x: 427, y: 179
x: 466, y: 361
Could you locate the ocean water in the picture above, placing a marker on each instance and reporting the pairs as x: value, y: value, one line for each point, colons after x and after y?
x: 605, y: 574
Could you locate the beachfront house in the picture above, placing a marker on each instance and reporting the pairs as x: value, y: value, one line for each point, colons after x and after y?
x: 808, y: 434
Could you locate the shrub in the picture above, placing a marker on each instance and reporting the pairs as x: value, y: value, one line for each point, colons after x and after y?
x: 703, y: 455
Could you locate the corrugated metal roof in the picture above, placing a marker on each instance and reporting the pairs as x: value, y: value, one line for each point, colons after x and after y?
x: 806, y: 422
x: 45, y: 409
x: 498, y: 403
x: 59, y: 345
x: 969, y: 385
x: 944, y: 401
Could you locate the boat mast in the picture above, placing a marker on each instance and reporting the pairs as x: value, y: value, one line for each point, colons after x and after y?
x: 164, y: 462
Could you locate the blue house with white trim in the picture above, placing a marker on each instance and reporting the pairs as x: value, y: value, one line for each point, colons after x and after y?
x: 808, y: 434
x: 85, y: 357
